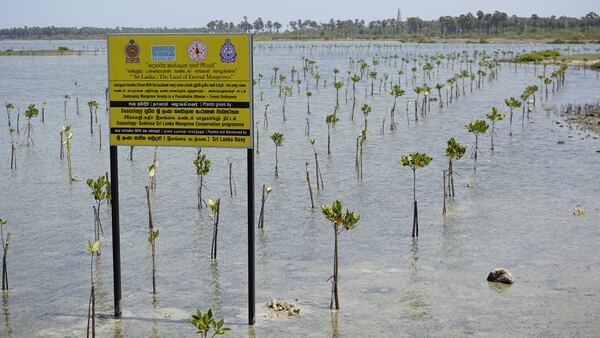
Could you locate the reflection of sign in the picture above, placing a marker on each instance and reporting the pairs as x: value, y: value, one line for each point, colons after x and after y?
x: 195, y: 98
x: 197, y: 50
x: 132, y: 50
x: 163, y: 53
x: 228, y: 52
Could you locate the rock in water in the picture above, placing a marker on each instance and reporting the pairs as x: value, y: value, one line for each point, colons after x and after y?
x: 500, y: 275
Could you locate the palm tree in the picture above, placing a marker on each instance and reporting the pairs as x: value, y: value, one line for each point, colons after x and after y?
x: 414, y: 161
x: 331, y: 119
x: 477, y: 127
x: 454, y: 151
x: 202, y: 165
x: 340, y: 221
x: 396, y: 92
x: 278, y: 141
x: 494, y: 116
x: 512, y: 103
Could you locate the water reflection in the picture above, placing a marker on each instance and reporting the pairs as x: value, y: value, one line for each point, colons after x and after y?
x: 154, y: 332
x: 215, y: 295
x: 416, y: 307
x: 5, y: 312
x: 335, y: 329
x: 118, y: 325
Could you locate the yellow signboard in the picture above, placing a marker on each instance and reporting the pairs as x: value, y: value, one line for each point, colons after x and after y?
x: 181, y: 90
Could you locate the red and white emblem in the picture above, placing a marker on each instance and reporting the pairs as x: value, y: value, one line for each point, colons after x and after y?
x: 197, y: 50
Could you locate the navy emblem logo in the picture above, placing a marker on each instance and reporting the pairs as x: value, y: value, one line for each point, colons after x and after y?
x: 132, y: 52
x: 228, y: 53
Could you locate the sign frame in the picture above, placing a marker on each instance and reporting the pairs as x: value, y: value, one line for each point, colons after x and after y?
x: 114, y: 180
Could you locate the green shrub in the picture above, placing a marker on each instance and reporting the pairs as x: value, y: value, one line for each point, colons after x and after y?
x: 596, y: 66
x: 63, y: 48
x: 539, y: 55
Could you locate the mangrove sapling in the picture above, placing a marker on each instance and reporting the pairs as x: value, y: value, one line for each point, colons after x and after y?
x: 43, y: 111
x: 310, y: 191
x: 318, y: 174
x: 93, y: 105
x: 418, y: 91
x: 215, y: 206
x: 18, y: 117
x: 362, y: 137
x: 308, y: 95
x: 278, y: 141
x: 355, y: 78
x: 66, y: 130
x: 337, y: 85
x: 13, y: 149
x: 340, y: 221
x: 204, y: 323
x: 414, y: 161
x: 331, y: 120
x: 439, y: 87
x: 77, y: 96
x: 476, y: 127
x: 66, y: 99
x: 91, y: 315
x: 454, y: 151
x: 266, y: 190
x: 202, y: 165
x: 494, y: 116
x: 30, y: 113
x: 130, y: 155
x: 152, y: 170
x: 266, y: 120
x: 100, y: 192
x: 365, y: 109
x: 373, y: 76
x: 512, y: 103
x: 547, y: 81
x: 9, y: 106
x: 152, y: 235
x: 4, y: 254
x: 287, y: 91
x: 396, y: 92
x: 232, y: 187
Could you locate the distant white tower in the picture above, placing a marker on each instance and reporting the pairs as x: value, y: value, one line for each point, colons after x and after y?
x: 399, y: 16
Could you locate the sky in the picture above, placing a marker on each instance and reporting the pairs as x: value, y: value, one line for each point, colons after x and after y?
x: 196, y: 13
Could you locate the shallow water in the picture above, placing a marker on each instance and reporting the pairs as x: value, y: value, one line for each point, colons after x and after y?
x: 517, y: 216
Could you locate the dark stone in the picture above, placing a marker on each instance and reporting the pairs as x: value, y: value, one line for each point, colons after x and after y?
x: 500, y: 275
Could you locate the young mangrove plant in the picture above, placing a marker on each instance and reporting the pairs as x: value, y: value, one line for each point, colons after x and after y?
x: 512, y: 103
x: 204, y: 323
x: 266, y: 190
x: 340, y: 221
x: 93, y: 105
x: 331, y: 120
x: 415, y: 161
x: 44, y: 103
x: 215, y: 207
x: 66, y: 99
x: 232, y: 187
x: 310, y: 191
x: 9, y: 106
x: 278, y: 141
x: 266, y: 120
x: 4, y: 254
x: 151, y: 173
x: 91, y: 315
x: 355, y: 78
x: 30, y: 113
x: 318, y: 174
x: 67, y: 142
x: 338, y: 85
x: 13, y: 149
x: 308, y: 95
x: 494, y: 116
x: 476, y: 127
x: 100, y: 191
x: 287, y: 91
x: 152, y: 235
x: 454, y: 151
x: 396, y: 92
x: 365, y: 109
x: 202, y: 165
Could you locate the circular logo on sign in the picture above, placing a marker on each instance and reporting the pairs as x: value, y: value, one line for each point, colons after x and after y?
x: 197, y: 50
x: 132, y: 49
x: 228, y: 53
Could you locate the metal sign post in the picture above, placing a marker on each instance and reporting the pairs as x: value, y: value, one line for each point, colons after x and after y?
x: 187, y: 90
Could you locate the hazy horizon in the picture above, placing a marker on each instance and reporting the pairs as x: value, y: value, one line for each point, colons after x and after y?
x: 138, y: 13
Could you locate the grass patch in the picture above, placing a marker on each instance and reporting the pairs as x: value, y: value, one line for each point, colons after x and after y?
x: 539, y: 55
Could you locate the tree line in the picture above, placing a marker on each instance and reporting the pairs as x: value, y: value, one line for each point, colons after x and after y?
x: 480, y: 24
